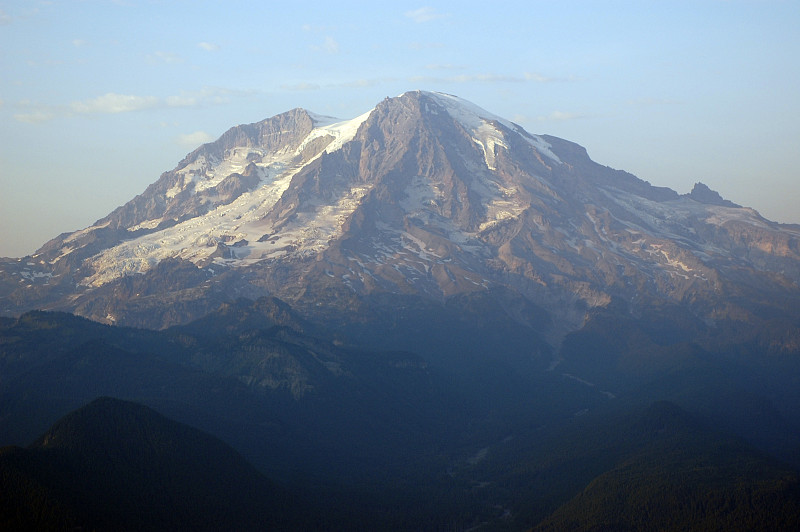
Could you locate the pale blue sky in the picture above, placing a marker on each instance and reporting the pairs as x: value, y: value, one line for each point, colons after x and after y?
x: 98, y: 98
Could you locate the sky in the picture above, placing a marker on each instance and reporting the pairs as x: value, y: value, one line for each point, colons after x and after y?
x: 99, y: 97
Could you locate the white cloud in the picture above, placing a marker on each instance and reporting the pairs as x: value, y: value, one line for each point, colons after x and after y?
x: 361, y: 83
x: 193, y: 140
x: 34, y: 117
x: 203, y: 97
x: 442, y: 66
x: 555, y: 116
x: 353, y: 84
x: 112, y: 103
x: 4, y: 18
x: 35, y: 113
x: 646, y: 102
x: 559, y: 116
x: 468, y: 78
x: 538, y: 78
x: 423, y: 14
x: 425, y: 45
x: 208, y: 46
x: 77, y: 43
x: 165, y: 57
x: 329, y: 46
x: 483, y: 78
x: 301, y: 87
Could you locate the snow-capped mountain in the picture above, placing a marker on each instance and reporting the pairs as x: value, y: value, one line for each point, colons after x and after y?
x: 426, y: 194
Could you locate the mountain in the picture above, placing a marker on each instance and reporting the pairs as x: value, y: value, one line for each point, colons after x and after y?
x: 419, y: 317
x: 364, y: 440
x: 672, y: 473
x: 366, y: 436
x: 654, y: 467
x: 331, y: 410
x: 116, y: 465
x: 426, y: 195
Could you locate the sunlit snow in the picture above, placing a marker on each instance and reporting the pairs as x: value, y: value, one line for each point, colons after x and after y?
x: 197, y: 239
x: 486, y: 135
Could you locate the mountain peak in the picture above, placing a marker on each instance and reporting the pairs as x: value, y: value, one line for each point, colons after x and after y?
x: 427, y: 194
x: 701, y: 193
x: 118, y: 465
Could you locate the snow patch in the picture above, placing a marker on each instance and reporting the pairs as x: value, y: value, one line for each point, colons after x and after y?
x: 149, y: 224
x: 30, y: 276
x: 342, y: 131
x: 77, y: 234
x: 199, y: 238
x: 479, y: 121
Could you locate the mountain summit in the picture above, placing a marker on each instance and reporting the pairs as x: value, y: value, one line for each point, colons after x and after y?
x: 426, y: 195
x: 423, y: 317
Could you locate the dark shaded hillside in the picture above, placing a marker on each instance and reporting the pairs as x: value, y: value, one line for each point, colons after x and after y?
x: 436, y: 416
x: 726, y: 373
x: 327, y: 409
x: 633, y: 468
x: 116, y: 465
x: 674, y: 474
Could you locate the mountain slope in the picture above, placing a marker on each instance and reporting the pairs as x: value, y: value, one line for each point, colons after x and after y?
x: 372, y: 307
x: 366, y: 434
x: 286, y: 400
x: 413, y: 439
x: 678, y: 475
x: 115, y: 465
x: 425, y: 195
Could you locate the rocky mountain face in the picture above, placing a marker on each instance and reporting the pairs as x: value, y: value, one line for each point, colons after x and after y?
x: 425, y: 196
x: 429, y: 318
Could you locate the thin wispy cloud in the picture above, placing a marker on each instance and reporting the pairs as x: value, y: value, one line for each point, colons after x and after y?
x: 33, y: 113
x: 34, y: 117
x: 424, y: 14
x: 319, y: 28
x: 79, y: 43
x: 329, y: 46
x: 361, y: 83
x: 645, y: 102
x: 120, y: 103
x: 541, y: 78
x: 425, y: 45
x: 301, y: 87
x: 4, y: 18
x: 527, y: 77
x: 115, y: 103
x: 164, y: 57
x: 208, y: 46
x: 443, y: 66
x: 538, y: 78
x: 203, y: 97
x: 112, y: 103
x: 557, y: 116
x: 469, y: 78
x: 353, y: 84
x: 192, y: 140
